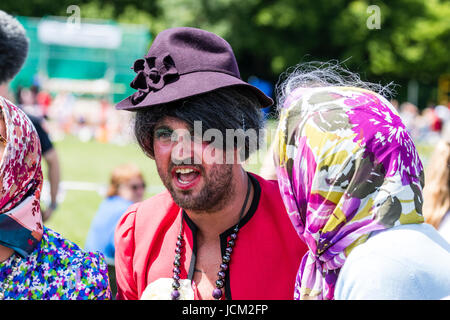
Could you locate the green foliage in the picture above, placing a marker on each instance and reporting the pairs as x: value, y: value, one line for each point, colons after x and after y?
x: 268, y: 36
x: 413, y: 39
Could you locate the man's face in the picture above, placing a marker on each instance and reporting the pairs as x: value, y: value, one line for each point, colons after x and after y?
x: 192, y: 170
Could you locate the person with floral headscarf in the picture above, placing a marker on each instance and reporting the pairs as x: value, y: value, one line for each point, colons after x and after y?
x: 35, y: 261
x: 351, y: 180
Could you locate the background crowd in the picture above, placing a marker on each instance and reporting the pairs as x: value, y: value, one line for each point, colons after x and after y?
x: 82, y: 200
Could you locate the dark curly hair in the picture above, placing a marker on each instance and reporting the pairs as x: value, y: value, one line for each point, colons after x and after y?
x: 226, y: 108
x: 13, y: 47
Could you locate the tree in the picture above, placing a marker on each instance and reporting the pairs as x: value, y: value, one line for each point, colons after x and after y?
x: 411, y: 40
x: 268, y: 36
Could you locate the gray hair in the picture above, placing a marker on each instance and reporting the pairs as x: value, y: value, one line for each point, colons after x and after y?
x: 325, y: 74
x: 13, y: 46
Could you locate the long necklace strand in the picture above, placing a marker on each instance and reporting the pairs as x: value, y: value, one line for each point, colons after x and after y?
x: 220, y: 282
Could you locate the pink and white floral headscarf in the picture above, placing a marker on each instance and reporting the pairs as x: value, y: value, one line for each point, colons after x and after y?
x: 20, y: 182
x: 346, y: 166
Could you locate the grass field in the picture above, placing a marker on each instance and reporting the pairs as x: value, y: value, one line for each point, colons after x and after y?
x: 92, y: 162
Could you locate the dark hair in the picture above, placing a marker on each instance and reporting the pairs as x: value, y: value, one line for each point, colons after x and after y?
x: 226, y: 108
x: 13, y: 46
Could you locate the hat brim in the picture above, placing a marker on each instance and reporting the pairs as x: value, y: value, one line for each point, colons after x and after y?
x: 189, y: 85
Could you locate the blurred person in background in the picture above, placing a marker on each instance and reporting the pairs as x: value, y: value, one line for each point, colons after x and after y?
x: 351, y: 179
x: 42, y: 99
x: 36, y: 263
x: 436, y: 193
x: 435, y: 123
x: 126, y: 187
x: 410, y: 113
x: 428, y: 126
x: 13, y: 53
x: 394, y: 103
x: 443, y: 113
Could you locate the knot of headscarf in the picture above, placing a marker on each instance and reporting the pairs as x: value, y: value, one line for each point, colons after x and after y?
x: 21, y: 182
x: 346, y: 167
x: 152, y: 75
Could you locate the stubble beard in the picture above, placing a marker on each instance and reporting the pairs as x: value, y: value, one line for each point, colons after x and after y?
x: 216, y: 192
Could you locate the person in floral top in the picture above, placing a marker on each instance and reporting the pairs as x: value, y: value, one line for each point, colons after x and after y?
x: 351, y: 180
x: 35, y: 261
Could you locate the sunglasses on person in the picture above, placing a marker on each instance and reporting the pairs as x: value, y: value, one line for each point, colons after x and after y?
x: 136, y: 187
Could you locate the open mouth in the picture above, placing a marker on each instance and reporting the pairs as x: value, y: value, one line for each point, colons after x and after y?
x: 185, y: 177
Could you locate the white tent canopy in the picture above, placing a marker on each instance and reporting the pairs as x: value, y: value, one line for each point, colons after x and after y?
x: 87, y: 35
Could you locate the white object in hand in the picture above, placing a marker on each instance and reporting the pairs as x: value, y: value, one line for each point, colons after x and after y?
x: 161, y: 289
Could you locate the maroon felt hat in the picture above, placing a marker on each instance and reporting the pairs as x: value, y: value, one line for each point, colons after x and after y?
x: 181, y: 63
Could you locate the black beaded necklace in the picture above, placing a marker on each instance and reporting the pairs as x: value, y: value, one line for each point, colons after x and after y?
x: 220, y: 282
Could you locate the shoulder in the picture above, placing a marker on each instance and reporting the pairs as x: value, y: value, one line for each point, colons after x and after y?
x: 159, y: 204
x: 69, y: 252
x: 269, y: 199
x: 87, y: 272
x: 375, y: 275
x: 151, y: 211
x: 138, y: 235
x: 399, y: 263
x: 268, y: 190
x: 34, y: 119
x: 264, y: 183
x: 143, y: 219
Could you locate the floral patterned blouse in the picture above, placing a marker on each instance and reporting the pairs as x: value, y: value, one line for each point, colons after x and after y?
x: 56, y: 270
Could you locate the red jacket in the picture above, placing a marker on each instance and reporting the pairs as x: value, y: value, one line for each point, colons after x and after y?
x: 264, y: 262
